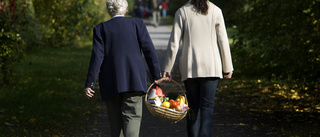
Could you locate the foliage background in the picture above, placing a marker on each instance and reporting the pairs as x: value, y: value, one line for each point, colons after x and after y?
x: 34, y: 24
x: 275, y: 48
x: 279, y: 41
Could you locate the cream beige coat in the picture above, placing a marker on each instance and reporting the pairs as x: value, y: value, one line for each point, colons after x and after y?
x: 205, y: 46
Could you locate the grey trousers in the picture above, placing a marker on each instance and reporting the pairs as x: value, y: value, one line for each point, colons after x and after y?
x: 125, y: 113
x: 156, y: 18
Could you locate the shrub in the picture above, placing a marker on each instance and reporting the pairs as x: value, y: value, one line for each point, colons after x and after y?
x: 279, y: 39
x: 12, y: 45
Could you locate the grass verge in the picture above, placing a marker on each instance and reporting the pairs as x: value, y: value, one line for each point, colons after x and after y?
x: 44, y: 96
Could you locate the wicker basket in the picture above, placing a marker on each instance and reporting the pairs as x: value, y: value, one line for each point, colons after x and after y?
x: 162, y: 112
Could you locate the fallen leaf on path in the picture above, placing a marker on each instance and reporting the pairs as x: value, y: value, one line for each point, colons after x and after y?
x: 8, y: 124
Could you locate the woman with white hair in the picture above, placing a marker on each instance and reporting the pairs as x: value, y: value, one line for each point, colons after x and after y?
x: 116, y: 58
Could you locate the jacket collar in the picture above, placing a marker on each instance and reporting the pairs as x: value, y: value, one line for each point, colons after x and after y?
x: 118, y: 16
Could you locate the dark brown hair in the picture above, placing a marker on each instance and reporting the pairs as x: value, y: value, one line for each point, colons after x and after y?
x: 201, y: 5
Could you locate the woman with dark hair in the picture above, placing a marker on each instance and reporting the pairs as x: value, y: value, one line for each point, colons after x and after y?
x: 199, y: 24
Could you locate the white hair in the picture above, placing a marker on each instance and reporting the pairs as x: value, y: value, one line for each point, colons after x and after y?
x: 116, y: 7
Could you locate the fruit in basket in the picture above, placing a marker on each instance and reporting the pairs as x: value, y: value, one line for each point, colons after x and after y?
x: 179, y: 108
x: 182, y: 100
x: 165, y: 99
x: 161, y: 98
x: 171, y: 100
x: 178, y: 102
x: 166, y: 104
x: 173, y: 104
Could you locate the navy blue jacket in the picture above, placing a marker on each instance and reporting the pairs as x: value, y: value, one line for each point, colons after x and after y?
x: 116, y: 57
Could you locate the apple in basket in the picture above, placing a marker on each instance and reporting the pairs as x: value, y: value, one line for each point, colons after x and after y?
x: 173, y: 104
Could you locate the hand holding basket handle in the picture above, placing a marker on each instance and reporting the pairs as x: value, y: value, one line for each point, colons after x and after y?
x: 158, y: 81
x: 167, y: 76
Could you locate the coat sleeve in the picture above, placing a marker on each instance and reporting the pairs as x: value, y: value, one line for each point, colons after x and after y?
x: 174, y: 42
x: 223, y: 43
x: 149, y: 51
x: 96, y: 59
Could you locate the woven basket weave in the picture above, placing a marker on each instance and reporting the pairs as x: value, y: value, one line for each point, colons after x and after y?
x: 165, y: 113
